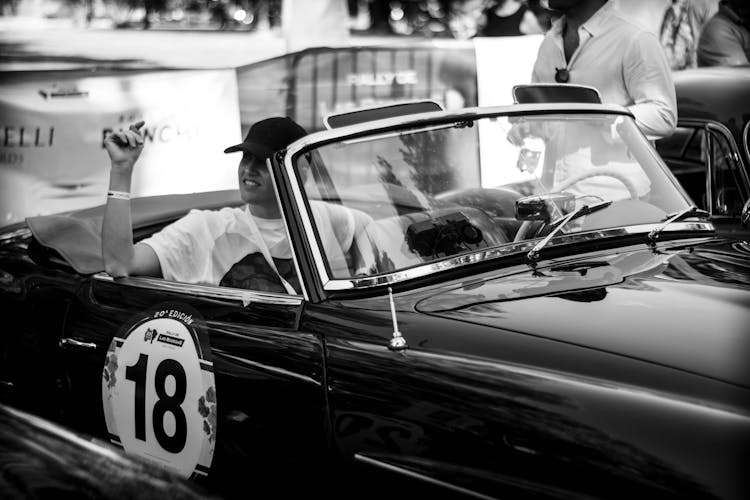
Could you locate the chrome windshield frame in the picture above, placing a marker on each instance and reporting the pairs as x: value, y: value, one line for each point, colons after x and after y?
x: 500, y: 252
x: 746, y: 142
x: 384, y: 126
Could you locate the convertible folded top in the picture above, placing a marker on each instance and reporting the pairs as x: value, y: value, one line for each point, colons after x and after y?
x: 75, y: 237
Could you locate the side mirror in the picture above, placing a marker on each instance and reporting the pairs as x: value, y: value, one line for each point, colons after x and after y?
x: 745, y: 215
x: 543, y: 207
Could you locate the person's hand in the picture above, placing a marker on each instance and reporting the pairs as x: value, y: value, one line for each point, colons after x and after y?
x: 519, y: 130
x: 125, y: 146
x: 616, y: 128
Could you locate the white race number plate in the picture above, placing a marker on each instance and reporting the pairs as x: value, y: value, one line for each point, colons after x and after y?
x: 158, y: 390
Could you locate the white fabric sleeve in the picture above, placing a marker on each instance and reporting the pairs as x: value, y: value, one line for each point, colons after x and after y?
x: 335, y: 225
x: 648, y: 80
x: 177, y: 246
x: 342, y: 222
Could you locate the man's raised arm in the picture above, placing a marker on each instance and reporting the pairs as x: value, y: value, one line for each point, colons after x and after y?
x: 121, y: 257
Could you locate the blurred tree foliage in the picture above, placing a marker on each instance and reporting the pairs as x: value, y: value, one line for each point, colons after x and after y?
x: 417, y: 17
x: 150, y: 6
x: 9, y: 7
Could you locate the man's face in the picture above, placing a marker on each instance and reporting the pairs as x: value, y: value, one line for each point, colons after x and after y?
x: 255, y: 183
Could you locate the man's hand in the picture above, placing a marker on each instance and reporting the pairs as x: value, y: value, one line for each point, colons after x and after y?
x: 124, y: 147
x: 519, y: 130
x: 616, y: 129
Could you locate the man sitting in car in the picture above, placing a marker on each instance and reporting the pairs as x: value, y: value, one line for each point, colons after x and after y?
x: 242, y: 247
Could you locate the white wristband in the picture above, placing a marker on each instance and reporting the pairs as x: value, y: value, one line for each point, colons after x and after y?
x: 118, y: 195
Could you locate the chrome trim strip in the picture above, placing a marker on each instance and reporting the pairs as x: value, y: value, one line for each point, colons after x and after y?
x: 299, y: 199
x: 207, y: 291
x: 416, y: 475
x: 23, y: 232
x: 722, y: 129
x: 288, y: 232
x: 710, y: 144
x: 746, y: 140
x: 417, y: 120
x: 506, y: 250
x: 437, y: 117
x: 727, y: 134
x: 267, y: 368
x: 68, y: 342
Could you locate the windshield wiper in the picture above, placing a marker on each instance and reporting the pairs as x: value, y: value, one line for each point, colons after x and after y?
x: 653, y: 235
x: 533, y: 254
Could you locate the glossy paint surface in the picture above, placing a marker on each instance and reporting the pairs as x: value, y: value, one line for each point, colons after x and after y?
x: 40, y: 459
x: 626, y: 303
x: 531, y: 398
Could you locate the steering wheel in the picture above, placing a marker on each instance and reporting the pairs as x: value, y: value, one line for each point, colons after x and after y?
x: 599, y: 171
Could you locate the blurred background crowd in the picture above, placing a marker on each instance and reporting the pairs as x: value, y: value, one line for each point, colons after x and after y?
x: 693, y: 32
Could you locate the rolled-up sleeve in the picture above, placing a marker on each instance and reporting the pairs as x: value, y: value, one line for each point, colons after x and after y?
x: 648, y: 80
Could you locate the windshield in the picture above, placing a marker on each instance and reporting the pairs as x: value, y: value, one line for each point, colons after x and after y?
x: 423, y: 195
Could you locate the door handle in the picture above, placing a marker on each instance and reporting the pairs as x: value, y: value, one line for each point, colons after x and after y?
x: 66, y: 342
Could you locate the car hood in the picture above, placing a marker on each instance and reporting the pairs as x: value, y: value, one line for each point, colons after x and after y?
x: 687, y: 308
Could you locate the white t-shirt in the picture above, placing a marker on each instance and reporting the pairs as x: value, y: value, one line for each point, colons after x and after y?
x: 202, y: 246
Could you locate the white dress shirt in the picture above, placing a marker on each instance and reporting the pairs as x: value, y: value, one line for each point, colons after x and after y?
x: 623, y: 61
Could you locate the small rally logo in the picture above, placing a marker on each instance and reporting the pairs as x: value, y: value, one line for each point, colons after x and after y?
x: 170, y: 339
x: 150, y: 335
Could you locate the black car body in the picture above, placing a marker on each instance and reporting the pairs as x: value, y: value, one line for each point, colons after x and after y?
x: 710, y: 150
x: 494, y: 335
x: 42, y: 460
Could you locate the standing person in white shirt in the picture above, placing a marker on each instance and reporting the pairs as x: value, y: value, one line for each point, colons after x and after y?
x: 241, y: 247
x: 592, y: 44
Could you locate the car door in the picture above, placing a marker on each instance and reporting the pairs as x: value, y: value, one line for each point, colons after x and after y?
x: 269, y: 402
x: 707, y: 161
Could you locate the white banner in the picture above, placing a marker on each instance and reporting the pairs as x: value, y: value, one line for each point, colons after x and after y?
x: 52, y: 128
x: 502, y: 63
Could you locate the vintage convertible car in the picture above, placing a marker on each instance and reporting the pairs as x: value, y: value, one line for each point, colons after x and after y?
x: 709, y: 153
x: 528, y: 306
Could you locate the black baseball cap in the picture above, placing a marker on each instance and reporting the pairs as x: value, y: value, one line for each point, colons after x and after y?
x: 268, y: 136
